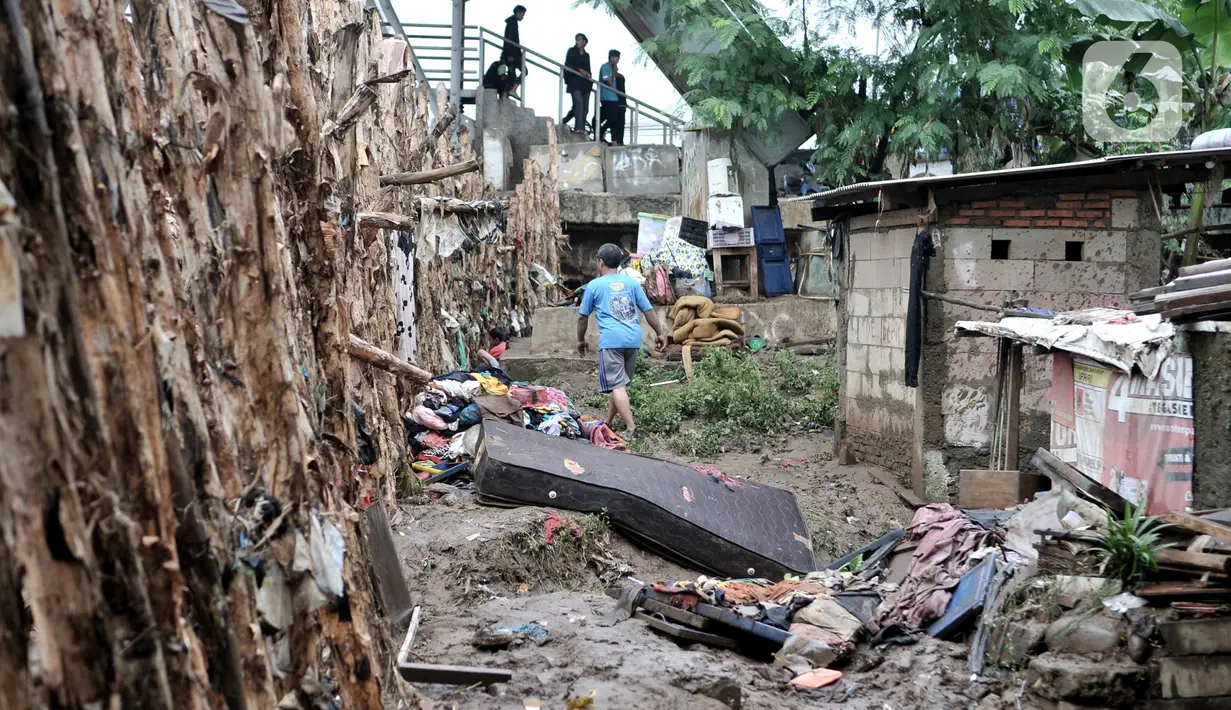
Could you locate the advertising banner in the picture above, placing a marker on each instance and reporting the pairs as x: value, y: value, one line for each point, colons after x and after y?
x: 1131, y: 434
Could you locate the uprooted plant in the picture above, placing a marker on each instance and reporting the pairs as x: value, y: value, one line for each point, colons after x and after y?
x: 1127, y: 547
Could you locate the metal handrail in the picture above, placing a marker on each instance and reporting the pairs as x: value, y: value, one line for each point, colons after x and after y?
x: 670, y: 125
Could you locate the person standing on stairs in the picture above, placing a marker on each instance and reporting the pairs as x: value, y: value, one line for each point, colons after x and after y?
x: 617, y: 302
x: 512, y: 38
x: 578, y: 87
x: 610, y: 101
x: 501, y: 77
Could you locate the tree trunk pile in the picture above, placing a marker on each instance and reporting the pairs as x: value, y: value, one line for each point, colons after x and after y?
x: 186, y: 442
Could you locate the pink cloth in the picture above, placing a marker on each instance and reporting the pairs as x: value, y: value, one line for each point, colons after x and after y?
x: 946, y: 540
x: 428, y: 418
x: 602, y: 435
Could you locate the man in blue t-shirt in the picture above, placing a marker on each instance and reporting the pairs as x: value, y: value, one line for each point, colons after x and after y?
x: 617, y: 302
x: 611, y: 109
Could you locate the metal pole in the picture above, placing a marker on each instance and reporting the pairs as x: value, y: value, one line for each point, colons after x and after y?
x: 560, y: 100
x: 636, y: 112
x: 598, y: 131
x: 456, y: 64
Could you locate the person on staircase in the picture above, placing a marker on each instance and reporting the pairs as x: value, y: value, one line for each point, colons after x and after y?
x: 502, y: 77
x: 578, y: 87
x: 617, y: 302
x: 512, y: 38
x: 611, y: 112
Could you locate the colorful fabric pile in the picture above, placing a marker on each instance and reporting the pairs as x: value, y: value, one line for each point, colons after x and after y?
x: 441, y: 425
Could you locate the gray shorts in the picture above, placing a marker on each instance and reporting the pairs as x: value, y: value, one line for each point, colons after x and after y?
x: 615, y: 368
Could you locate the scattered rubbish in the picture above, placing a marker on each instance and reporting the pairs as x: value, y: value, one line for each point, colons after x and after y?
x: 583, y: 701
x: 472, y: 538
x: 452, y: 675
x: 531, y: 703
x: 818, y: 678
x: 1073, y: 521
x: 1123, y: 602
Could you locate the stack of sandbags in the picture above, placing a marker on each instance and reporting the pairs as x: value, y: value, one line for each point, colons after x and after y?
x: 697, y: 322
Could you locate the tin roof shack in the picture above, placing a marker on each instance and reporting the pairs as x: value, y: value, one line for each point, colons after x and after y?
x: 1062, y: 237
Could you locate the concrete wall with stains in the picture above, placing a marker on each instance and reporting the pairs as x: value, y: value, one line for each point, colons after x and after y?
x: 703, y: 145
x: 1064, y: 251
x: 877, y: 407
x: 642, y: 169
x: 1037, y: 238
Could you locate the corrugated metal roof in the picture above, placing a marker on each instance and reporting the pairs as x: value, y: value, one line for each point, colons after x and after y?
x: 864, y: 190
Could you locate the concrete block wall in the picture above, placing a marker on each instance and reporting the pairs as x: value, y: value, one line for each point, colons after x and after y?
x: 1120, y: 255
x: 581, y: 165
x: 878, y: 408
x: 642, y: 169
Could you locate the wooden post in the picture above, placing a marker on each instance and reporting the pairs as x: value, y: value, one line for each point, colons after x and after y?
x: 1014, y: 407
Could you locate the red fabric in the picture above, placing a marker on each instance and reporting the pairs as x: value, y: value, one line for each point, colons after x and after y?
x: 554, y: 523
x: 498, y: 350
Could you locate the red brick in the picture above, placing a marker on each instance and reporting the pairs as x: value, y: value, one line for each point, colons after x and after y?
x: 1032, y: 213
x: 971, y: 213
x: 1074, y: 223
x: 1092, y: 213
x: 958, y: 220
x: 1059, y: 213
x: 1047, y: 223
x: 989, y: 203
x: 1002, y: 213
x: 1099, y: 223
x: 1012, y: 203
x: 1017, y: 223
x: 986, y: 222
x: 1068, y: 205
x: 1098, y: 196
x: 1123, y: 193
x: 1098, y: 205
x: 1038, y: 203
x: 1072, y: 195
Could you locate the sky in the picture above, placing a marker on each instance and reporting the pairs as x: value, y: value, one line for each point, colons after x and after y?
x: 549, y: 28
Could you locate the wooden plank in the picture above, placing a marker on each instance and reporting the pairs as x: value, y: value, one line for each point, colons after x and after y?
x: 1207, y: 543
x: 432, y: 175
x: 1058, y: 470
x: 1197, y: 561
x: 1193, y: 297
x: 1206, y: 268
x: 452, y: 675
x: 1195, y: 676
x: 1204, y: 311
x: 997, y: 489
x: 1197, y: 636
x: 1183, y: 590
x: 1216, y: 278
x: 1203, y: 526
x: 684, y: 633
x: 676, y: 614
x: 908, y: 497
x: 386, y: 568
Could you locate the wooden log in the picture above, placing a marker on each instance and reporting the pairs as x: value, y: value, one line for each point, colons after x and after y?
x: 1063, y: 473
x: 1199, y: 562
x: 1183, y: 590
x: 1188, y: 521
x: 385, y: 220
x: 1188, y: 283
x: 432, y: 175
x: 452, y: 675
x: 1207, y: 543
x: 369, y: 353
x: 1193, y: 297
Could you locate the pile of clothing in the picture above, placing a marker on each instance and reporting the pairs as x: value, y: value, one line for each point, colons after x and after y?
x: 676, y: 262
x: 696, y: 322
x: 441, y: 426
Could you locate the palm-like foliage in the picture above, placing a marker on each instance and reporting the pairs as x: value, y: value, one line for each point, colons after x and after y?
x: 1127, y: 546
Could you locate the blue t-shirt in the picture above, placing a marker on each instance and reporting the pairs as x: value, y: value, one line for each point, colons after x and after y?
x: 617, y: 300
x: 604, y: 77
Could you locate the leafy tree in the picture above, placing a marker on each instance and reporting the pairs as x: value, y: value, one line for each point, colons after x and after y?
x: 985, y: 83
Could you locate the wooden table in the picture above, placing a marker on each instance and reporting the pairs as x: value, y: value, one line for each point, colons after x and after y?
x: 747, y: 260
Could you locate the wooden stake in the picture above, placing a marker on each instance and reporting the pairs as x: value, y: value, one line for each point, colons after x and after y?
x: 429, y: 175
x: 1189, y: 521
x: 384, y: 220
x: 369, y: 353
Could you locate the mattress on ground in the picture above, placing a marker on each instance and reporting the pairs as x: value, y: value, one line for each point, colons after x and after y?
x: 740, y: 529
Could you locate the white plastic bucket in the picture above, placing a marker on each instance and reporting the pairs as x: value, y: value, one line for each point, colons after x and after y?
x: 720, y: 178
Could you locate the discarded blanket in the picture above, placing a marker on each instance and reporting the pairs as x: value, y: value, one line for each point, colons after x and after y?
x: 696, y: 321
x: 946, y: 540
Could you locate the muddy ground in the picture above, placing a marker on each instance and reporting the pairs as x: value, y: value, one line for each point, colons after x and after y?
x: 474, y: 566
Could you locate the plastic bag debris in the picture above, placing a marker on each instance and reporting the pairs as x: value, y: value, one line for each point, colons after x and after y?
x: 328, y: 553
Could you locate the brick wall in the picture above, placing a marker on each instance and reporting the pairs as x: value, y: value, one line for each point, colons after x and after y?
x: 1067, y: 210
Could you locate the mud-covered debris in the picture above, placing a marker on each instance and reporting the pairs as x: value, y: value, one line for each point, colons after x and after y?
x: 328, y: 550
x: 503, y: 636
